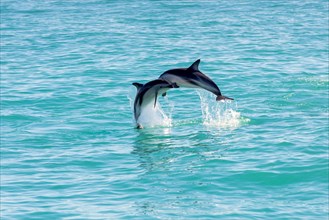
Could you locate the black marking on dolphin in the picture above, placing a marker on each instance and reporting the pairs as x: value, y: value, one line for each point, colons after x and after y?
x: 192, y: 77
x: 147, y: 94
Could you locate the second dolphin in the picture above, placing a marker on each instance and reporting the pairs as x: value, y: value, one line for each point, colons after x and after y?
x: 192, y: 77
x: 147, y: 94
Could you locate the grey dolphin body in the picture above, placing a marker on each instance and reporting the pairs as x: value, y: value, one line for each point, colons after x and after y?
x: 192, y: 77
x: 148, y: 93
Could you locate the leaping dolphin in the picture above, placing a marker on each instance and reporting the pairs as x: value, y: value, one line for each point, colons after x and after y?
x: 192, y: 77
x: 148, y: 93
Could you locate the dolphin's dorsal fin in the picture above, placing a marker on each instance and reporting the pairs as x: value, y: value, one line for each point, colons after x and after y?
x: 138, y: 85
x: 195, y: 66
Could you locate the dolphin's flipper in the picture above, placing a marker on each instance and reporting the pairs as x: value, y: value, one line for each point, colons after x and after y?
x: 164, y: 94
x: 138, y: 85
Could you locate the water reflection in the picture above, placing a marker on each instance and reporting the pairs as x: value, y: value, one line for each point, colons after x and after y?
x: 161, y: 148
x: 151, y: 141
x: 173, y: 157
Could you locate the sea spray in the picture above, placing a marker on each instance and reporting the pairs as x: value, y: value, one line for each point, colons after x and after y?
x: 222, y: 114
x: 150, y: 116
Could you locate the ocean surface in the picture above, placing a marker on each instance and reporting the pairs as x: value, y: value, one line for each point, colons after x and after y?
x: 69, y: 146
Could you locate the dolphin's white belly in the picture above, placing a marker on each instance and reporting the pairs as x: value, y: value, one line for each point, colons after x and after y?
x: 149, y: 99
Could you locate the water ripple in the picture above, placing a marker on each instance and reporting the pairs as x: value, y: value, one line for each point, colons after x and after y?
x: 69, y: 148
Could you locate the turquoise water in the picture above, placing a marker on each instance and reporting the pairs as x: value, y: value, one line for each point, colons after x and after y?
x: 69, y: 149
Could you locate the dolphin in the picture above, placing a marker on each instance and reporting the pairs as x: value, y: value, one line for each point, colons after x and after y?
x: 148, y: 93
x: 192, y: 77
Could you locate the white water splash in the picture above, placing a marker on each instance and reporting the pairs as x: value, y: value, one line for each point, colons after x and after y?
x: 216, y: 114
x: 150, y: 116
x: 222, y: 114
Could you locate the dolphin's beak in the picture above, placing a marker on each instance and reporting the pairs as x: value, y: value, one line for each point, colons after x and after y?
x: 221, y: 97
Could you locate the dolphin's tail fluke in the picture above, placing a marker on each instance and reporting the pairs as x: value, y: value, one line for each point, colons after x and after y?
x: 138, y: 85
x: 221, y: 97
